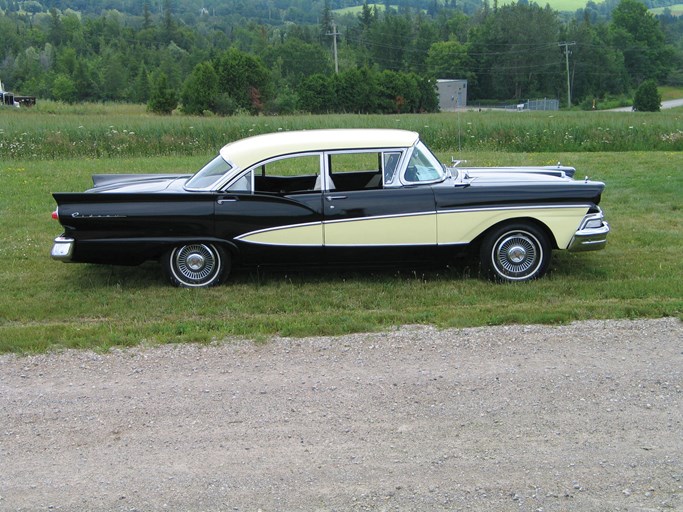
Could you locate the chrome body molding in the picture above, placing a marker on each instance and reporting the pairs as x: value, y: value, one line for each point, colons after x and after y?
x: 309, y: 234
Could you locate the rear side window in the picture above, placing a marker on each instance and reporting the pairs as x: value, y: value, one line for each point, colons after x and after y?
x: 362, y: 170
x: 294, y: 174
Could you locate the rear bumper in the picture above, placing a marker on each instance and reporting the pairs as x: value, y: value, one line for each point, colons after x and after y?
x: 591, y: 235
x: 62, y: 249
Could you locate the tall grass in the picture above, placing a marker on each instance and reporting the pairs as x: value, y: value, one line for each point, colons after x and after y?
x: 99, y: 131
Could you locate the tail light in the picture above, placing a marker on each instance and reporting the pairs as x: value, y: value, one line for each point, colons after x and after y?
x: 55, y: 214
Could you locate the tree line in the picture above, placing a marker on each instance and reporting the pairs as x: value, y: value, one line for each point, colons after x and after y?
x: 387, y: 57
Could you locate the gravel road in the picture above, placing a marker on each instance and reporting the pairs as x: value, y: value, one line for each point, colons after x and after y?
x: 583, y: 417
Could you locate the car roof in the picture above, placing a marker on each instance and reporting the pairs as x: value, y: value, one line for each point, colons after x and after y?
x: 246, y: 152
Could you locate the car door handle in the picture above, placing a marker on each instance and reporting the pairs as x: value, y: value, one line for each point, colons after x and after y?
x: 332, y: 198
x: 226, y: 200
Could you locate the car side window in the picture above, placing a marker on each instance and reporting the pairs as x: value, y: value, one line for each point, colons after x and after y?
x: 293, y: 174
x: 355, y: 170
x: 391, y: 161
x: 244, y: 184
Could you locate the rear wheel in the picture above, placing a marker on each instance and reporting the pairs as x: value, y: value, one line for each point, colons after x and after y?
x: 515, y: 252
x: 196, y: 265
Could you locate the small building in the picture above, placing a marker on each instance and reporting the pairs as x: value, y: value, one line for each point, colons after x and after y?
x: 452, y: 94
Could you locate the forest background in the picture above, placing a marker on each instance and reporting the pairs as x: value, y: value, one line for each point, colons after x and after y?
x: 278, y: 56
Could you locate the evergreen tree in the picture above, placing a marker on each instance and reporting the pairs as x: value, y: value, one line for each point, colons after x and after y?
x: 366, y: 17
x: 647, y: 97
x: 163, y: 99
x: 56, y: 34
x: 326, y: 22
x: 147, y: 17
x: 140, y: 87
x: 169, y: 25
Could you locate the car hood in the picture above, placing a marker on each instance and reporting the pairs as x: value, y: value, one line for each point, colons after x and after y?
x: 131, y: 183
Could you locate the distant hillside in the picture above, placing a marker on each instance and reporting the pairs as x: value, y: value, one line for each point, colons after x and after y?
x: 676, y: 10
x: 281, y: 11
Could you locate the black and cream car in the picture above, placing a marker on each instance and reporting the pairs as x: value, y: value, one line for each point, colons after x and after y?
x: 330, y: 197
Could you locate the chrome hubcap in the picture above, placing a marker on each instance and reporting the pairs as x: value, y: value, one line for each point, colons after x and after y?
x: 195, y: 263
x: 517, y: 254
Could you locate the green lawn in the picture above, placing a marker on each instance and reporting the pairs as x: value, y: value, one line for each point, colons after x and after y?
x: 670, y: 93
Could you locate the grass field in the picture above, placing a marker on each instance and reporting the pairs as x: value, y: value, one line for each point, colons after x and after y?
x: 48, y: 305
x: 676, y: 10
x: 97, y: 131
x: 558, y: 5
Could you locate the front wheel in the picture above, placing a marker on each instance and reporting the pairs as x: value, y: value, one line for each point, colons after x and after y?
x: 516, y: 252
x: 196, y: 265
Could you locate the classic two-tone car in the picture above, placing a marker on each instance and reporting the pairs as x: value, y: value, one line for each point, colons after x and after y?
x: 337, y: 197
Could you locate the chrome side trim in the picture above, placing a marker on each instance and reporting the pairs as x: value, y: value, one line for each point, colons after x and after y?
x: 378, y: 217
x: 63, y: 248
x: 521, y: 207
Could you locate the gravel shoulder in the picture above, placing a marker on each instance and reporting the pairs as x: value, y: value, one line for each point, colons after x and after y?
x: 582, y: 417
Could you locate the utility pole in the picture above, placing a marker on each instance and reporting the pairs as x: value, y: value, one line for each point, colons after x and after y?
x: 334, y: 35
x: 566, y: 56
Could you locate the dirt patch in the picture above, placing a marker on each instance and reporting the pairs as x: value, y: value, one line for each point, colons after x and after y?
x: 587, y: 416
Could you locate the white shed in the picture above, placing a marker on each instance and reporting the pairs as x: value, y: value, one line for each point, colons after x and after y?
x: 452, y: 94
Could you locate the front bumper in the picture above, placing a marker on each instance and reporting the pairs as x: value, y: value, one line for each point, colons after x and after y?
x: 63, y: 249
x: 591, y: 235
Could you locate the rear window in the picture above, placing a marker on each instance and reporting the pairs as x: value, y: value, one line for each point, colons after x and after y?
x: 209, y: 174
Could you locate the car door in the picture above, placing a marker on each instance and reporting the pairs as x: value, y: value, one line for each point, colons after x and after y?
x: 274, y: 213
x: 368, y: 221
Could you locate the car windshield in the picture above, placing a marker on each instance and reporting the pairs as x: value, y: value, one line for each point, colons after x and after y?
x: 209, y: 174
x: 423, y: 166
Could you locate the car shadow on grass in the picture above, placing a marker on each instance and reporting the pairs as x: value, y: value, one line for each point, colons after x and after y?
x: 150, y: 275
x: 147, y: 275
x: 331, y: 275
